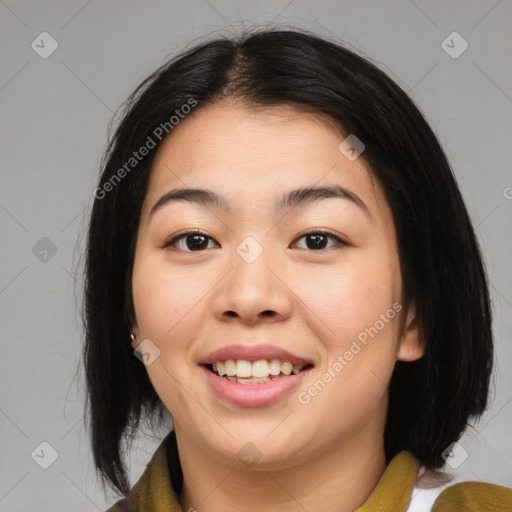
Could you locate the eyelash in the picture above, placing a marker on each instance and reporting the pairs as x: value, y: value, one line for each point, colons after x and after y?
x: 183, y: 234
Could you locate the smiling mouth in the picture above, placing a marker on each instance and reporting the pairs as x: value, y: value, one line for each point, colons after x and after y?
x: 257, y: 372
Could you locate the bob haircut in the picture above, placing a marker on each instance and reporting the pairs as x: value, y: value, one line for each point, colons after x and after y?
x: 443, y: 275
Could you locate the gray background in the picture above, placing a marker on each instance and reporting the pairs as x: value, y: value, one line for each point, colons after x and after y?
x: 54, y: 117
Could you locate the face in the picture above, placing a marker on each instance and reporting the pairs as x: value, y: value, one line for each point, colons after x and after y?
x: 262, y: 282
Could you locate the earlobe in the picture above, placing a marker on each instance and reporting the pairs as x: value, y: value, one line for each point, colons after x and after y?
x: 412, y: 346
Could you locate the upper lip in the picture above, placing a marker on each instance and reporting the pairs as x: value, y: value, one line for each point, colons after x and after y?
x: 253, y: 353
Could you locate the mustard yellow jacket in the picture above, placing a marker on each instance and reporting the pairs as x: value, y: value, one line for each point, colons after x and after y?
x: 153, y: 491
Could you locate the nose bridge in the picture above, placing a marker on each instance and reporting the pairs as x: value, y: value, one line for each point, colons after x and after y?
x: 251, y: 287
x: 250, y: 272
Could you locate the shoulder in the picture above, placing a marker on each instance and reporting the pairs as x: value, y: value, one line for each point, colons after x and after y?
x: 474, y: 497
x: 433, y: 493
x: 153, y: 490
x: 119, y: 506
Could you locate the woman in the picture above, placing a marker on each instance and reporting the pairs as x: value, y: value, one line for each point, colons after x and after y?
x: 278, y: 232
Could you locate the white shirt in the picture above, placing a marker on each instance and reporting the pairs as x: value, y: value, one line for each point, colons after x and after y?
x: 429, y: 485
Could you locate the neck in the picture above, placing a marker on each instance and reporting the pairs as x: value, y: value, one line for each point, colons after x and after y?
x: 339, y: 479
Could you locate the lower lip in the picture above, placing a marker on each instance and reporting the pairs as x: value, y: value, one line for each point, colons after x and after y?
x: 253, y: 395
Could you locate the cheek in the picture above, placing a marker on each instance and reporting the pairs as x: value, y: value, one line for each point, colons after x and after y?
x: 163, y: 297
x: 355, y: 319
x: 347, y: 299
x: 352, y: 384
x: 169, y: 314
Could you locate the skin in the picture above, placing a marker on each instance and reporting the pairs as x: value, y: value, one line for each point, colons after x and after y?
x: 327, y: 454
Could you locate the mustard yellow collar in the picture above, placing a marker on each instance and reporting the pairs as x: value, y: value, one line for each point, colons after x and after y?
x: 153, y: 490
x: 393, y: 491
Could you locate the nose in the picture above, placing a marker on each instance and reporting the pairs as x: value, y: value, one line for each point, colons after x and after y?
x: 252, y: 292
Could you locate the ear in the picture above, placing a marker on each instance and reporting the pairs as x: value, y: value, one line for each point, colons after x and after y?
x: 411, y: 345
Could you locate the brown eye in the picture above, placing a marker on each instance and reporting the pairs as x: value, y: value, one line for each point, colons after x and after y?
x: 197, y: 241
x: 317, y: 240
x: 191, y: 241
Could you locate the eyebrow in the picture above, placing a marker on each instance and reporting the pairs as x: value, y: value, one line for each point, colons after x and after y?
x: 292, y: 198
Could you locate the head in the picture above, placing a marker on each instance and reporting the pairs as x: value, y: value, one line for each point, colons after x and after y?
x: 372, y: 269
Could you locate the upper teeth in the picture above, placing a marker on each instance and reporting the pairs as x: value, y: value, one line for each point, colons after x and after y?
x: 260, y: 368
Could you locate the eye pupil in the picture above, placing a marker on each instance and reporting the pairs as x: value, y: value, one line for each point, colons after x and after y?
x: 317, y: 242
x: 199, y: 242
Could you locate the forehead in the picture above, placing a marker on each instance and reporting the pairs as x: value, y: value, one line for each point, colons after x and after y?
x: 252, y: 155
